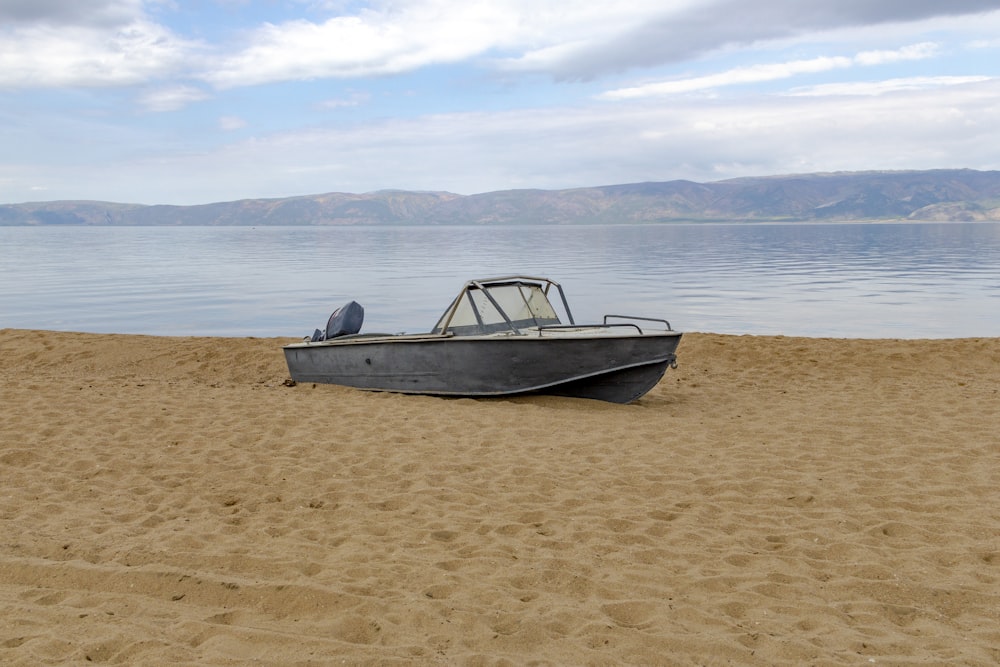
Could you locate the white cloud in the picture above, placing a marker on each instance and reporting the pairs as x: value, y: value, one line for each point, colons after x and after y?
x: 85, y: 143
x: 563, y: 147
x: 363, y: 45
x: 920, y: 51
x: 884, y: 87
x: 390, y: 38
x: 231, y: 123
x: 738, y: 75
x: 82, y: 56
x: 770, y: 72
x: 354, y: 99
x: 49, y: 43
x: 172, y: 98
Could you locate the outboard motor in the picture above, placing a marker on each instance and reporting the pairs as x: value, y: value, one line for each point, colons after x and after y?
x: 345, y: 320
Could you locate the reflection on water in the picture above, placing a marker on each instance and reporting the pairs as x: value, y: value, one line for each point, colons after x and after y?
x: 872, y: 280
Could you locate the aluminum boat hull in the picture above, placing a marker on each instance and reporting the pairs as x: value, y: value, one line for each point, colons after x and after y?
x: 599, y: 363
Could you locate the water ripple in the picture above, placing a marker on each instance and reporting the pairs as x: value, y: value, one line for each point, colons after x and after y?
x: 901, y: 280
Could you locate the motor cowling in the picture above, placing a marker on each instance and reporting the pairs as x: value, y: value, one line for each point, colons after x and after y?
x: 345, y: 320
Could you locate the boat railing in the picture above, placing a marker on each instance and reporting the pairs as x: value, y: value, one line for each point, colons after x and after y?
x: 626, y: 325
x: 642, y: 319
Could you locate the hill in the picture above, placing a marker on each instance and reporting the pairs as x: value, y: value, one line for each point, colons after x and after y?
x: 937, y: 195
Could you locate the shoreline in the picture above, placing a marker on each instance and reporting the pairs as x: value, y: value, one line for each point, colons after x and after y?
x: 773, y: 501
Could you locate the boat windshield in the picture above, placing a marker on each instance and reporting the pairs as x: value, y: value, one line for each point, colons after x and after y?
x: 506, y: 306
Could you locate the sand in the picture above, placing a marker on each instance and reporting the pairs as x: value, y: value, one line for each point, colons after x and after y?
x: 774, y: 501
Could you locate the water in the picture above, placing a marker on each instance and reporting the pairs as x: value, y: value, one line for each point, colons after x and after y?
x: 840, y: 280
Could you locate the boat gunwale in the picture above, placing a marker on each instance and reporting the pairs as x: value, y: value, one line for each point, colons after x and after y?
x: 561, y: 333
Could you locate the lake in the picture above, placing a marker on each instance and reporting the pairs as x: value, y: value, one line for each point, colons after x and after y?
x: 842, y: 280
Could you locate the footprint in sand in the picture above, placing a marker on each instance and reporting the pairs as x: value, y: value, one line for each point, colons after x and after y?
x: 631, y: 614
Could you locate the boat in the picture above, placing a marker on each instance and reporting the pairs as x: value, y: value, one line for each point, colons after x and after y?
x: 499, y: 337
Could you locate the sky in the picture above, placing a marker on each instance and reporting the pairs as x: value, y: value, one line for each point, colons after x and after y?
x: 189, y: 102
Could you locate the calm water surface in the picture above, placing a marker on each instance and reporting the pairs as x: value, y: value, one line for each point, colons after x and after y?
x: 842, y: 280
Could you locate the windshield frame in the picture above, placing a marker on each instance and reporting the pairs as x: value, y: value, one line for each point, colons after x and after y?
x: 502, y: 304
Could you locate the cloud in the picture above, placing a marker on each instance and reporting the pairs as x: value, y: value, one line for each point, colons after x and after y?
x: 61, y: 13
x: 985, y: 44
x: 88, y: 144
x: 911, y: 52
x: 370, y: 43
x: 172, y: 98
x: 46, y: 55
x: 675, y: 35
x: 770, y: 72
x: 232, y: 123
x: 354, y: 99
x: 887, y: 86
x: 752, y: 74
x: 51, y: 43
x: 637, y: 140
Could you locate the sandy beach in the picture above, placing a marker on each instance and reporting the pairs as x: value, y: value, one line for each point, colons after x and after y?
x: 774, y: 501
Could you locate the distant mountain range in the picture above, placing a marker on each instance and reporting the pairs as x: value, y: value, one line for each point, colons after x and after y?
x: 939, y: 195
